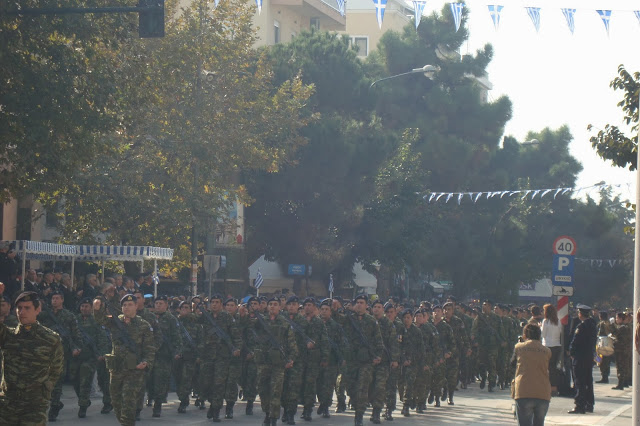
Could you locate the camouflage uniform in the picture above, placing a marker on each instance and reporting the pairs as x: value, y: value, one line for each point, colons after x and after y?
x: 451, y: 365
x: 604, y: 329
x: 270, y: 362
x: 83, y: 367
x: 66, y: 325
x: 149, y: 317
x: 364, y: 333
x: 216, y: 358
x: 425, y: 376
x: 395, y: 373
x: 503, y: 356
x: 170, y: 347
x: 329, y: 374
x: 391, y: 353
x: 486, y: 332
x: 33, y: 363
x: 462, y: 344
x: 312, y: 358
x: 126, y: 380
x: 185, y: 367
x: 413, y: 352
x: 293, y: 376
x: 249, y: 376
x: 623, y: 352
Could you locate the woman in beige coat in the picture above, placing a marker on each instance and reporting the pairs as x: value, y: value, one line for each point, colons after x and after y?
x: 531, y: 387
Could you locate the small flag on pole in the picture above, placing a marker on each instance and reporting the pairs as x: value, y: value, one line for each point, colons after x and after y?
x: 156, y: 278
x: 259, y: 280
x: 456, y: 11
x: 330, y: 283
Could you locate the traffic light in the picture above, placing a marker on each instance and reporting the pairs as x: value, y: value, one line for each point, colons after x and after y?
x: 151, y: 20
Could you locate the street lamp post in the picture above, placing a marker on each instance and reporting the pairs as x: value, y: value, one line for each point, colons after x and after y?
x: 429, y: 71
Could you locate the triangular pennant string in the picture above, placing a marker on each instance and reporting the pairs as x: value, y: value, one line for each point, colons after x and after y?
x: 546, y: 191
x: 439, y: 195
x: 494, y: 12
x: 637, y: 13
x: 605, y: 15
x: 381, y: 5
x: 504, y: 193
x: 460, y: 195
x: 449, y: 197
x: 418, y: 8
x: 569, y: 16
x: 431, y: 197
x: 258, y: 3
x: 534, y: 14
x: 612, y: 262
x: 340, y: 7
x: 477, y: 196
x: 525, y: 194
x: 456, y: 11
x: 536, y: 192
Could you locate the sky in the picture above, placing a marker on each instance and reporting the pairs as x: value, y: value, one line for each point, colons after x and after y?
x: 555, y: 78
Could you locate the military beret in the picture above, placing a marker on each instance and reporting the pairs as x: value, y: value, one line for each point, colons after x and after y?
x: 215, y: 296
x: 184, y: 302
x: 273, y: 299
x: 293, y: 299
x: 452, y: 298
x: 86, y: 300
x: 418, y: 311
x: 377, y: 302
x: 488, y: 302
x: 57, y: 293
x: 361, y: 297
x: 326, y: 302
x: 427, y: 310
x: 231, y: 299
x: 128, y: 298
x: 264, y: 299
x: 406, y: 312
x: 253, y: 299
x: 339, y: 299
x: 162, y: 297
x: 309, y: 300
x: 388, y: 306
x: 436, y: 307
x: 446, y: 305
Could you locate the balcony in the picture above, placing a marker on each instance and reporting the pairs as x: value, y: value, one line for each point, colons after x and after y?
x: 325, y: 12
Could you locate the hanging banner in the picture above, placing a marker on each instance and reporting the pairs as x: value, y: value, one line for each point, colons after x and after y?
x: 418, y: 8
x: 534, y: 14
x: 456, y: 11
x: 568, y: 15
x: 258, y: 3
x: 381, y: 5
x: 605, y: 15
x: 340, y: 7
x: 494, y: 12
x: 637, y: 13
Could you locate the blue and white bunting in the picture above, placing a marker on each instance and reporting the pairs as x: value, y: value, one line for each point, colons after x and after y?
x: 524, y: 194
x: 534, y: 14
x: 418, y: 9
x: 494, y: 12
x: 330, y: 283
x: 259, y: 4
x: 340, y: 7
x: 456, y: 11
x: 637, y: 13
x: 259, y: 280
x: 381, y: 5
x: 569, y: 16
x: 605, y: 15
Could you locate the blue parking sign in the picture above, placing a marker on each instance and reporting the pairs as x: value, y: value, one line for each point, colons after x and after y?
x: 562, y: 273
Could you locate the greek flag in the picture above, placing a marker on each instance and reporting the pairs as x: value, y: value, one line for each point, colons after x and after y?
x: 156, y: 278
x: 534, y: 14
x: 605, y: 15
x: 330, y: 283
x: 259, y: 280
x: 568, y: 14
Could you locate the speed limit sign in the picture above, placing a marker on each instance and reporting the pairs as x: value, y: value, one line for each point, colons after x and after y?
x: 564, y: 245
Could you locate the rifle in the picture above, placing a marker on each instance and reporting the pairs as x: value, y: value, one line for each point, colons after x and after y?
x: 89, y: 340
x: 123, y: 334
x: 298, y: 329
x: 335, y: 349
x: 59, y: 327
x: 491, y: 329
x: 186, y: 334
x: 361, y: 336
x: 270, y: 337
x: 215, y: 328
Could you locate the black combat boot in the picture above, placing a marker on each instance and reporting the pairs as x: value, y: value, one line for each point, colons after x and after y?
x: 419, y: 408
x: 228, y: 414
x: 267, y: 420
x: 491, y: 386
x: 291, y: 416
x: 285, y: 415
x: 444, y: 394
x: 106, y: 409
x: 437, y: 402
x: 375, y: 416
x: 157, y: 409
x: 482, y: 383
x: 82, y: 412
x: 450, y: 399
x: 619, y: 387
x: 138, y: 415
x: 320, y: 409
x: 405, y: 410
x: 216, y: 415
x: 182, y: 408
x: 53, y: 414
x: 389, y: 414
x: 603, y: 380
x: 358, y: 419
x: 249, y: 408
x: 307, y: 413
x: 325, y: 412
x: 210, y: 412
x: 431, y: 398
x: 342, y: 406
x: 274, y: 422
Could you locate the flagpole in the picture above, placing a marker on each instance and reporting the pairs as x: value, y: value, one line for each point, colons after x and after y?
x: 635, y: 377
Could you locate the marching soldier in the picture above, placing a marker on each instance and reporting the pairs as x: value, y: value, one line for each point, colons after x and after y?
x: 605, y: 328
x: 390, y: 358
x: 413, y: 353
x: 251, y: 343
x: 622, y: 347
x: 185, y: 366
x: 486, y: 333
x: 329, y: 375
x: 451, y: 353
x: 293, y: 376
x: 235, y: 366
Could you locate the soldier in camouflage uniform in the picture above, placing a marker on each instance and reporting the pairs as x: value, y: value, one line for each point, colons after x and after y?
x: 363, y: 332
x: 503, y: 357
x: 169, y: 351
x: 465, y: 356
x: 219, y: 345
x: 486, y: 332
x: 235, y: 366
x: 33, y: 363
x: 293, y: 376
x: 413, y: 353
x: 65, y: 324
x: 96, y: 346
x: 275, y: 353
x: 315, y: 357
x: 185, y: 366
x: 605, y: 328
x: 424, y: 378
x: 461, y: 347
x: 394, y: 373
x: 343, y: 381
x: 250, y: 342
x: 390, y: 359
x: 133, y: 352
x: 328, y: 375
x: 622, y: 347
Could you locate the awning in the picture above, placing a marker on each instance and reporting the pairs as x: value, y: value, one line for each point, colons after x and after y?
x: 437, y: 287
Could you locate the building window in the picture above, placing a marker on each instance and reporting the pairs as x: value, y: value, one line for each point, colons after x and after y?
x: 314, y: 23
x: 276, y: 32
x: 23, y: 225
x: 361, y: 44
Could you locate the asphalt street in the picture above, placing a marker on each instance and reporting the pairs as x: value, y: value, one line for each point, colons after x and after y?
x: 472, y: 407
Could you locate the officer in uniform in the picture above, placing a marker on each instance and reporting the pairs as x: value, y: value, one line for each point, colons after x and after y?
x: 622, y: 347
x: 390, y: 358
x: 582, y: 351
x: 133, y: 352
x: 33, y: 363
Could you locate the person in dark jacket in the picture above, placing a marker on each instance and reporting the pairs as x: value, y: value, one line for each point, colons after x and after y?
x: 582, y: 350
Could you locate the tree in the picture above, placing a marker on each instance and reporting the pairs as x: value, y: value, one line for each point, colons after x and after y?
x: 199, y: 107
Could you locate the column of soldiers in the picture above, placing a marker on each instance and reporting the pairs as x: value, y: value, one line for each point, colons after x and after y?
x: 291, y: 353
